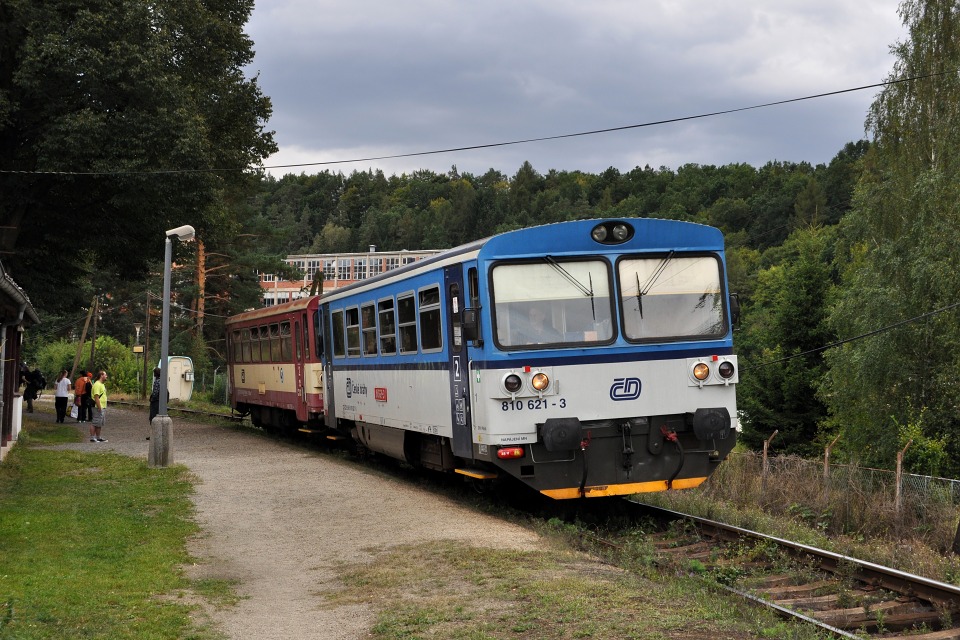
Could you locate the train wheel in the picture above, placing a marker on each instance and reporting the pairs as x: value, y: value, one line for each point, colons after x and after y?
x: 483, y: 487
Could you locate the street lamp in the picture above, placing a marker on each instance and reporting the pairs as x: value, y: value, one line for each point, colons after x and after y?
x: 162, y: 427
x: 137, y: 350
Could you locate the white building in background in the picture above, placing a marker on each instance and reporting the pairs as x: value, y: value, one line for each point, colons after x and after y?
x: 339, y: 270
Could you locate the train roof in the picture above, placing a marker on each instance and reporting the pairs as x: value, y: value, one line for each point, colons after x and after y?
x: 557, y: 238
x: 300, y: 304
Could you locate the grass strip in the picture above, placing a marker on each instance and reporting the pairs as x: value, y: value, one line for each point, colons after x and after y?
x: 93, y: 543
x: 447, y: 590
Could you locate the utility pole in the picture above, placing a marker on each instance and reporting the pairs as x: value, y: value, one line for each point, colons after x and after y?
x: 93, y: 338
x: 83, y: 337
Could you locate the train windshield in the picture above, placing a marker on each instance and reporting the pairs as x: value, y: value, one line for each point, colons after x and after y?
x: 671, y: 297
x: 552, y: 302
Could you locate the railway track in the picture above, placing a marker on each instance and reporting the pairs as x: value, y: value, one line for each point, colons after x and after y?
x: 843, y: 596
x: 193, y: 412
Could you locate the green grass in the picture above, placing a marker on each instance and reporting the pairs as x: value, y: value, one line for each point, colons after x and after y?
x: 93, y: 544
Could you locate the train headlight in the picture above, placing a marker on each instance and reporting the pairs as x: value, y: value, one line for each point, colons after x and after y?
x: 512, y: 383
x: 510, y: 453
x: 726, y: 369
x: 612, y: 232
x: 540, y: 381
x: 701, y: 371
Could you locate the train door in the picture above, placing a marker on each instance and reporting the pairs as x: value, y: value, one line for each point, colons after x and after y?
x: 299, y: 352
x: 326, y: 359
x: 459, y: 375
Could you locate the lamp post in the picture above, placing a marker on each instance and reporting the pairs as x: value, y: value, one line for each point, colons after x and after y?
x: 137, y: 350
x: 162, y: 427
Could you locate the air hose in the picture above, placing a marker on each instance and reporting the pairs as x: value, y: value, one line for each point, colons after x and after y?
x: 584, y: 444
x: 672, y: 437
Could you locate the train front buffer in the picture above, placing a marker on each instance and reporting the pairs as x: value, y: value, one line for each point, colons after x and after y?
x: 608, y: 429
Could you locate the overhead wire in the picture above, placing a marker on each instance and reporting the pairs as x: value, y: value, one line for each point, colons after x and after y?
x: 855, y: 338
x: 490, y: 145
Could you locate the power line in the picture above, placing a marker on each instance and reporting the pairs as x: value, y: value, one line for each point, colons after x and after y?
x: 859, y: 337
x: 490, y: 145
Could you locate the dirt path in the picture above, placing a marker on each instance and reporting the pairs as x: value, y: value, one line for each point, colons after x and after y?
x: 279, y: 519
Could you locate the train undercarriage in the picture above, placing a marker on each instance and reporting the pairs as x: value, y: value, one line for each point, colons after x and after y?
x: 570, y: 459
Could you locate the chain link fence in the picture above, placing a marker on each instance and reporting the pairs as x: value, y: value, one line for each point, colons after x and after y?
x: 845, y: 499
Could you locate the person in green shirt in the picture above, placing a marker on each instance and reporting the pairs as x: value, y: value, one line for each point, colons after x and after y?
x: 99, y: 395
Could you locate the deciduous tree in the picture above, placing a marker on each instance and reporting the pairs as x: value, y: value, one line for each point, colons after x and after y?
x: 119, y: 119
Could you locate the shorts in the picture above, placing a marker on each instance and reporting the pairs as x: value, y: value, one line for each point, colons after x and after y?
x: 99, y: 416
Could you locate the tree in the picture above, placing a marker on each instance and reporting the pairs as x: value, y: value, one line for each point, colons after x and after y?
x: 117, y: 117
x: 899, y: 243
x: 784, y: 325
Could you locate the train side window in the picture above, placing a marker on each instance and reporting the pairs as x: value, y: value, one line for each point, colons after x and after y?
x: 245, y: 346
x: 368, y: 321
x: 388, y: 327
x: 339, y: 349
x: 431, y: 334
x: 237, y: 344
x: 473, y: 282
x: 352, y: 316
x: 318, y: 323
x: 257, y: 335
x: 275, y: 349
x: 407, y: 322
x: 286, y: 353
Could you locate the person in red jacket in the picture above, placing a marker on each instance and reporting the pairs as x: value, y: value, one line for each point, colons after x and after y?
x: 78, y: 388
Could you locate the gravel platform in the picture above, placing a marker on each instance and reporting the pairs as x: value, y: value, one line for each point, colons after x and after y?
x: 279, y: 519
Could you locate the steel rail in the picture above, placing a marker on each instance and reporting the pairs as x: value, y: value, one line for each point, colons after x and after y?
x: 211, y: 414
x: 939, y: 593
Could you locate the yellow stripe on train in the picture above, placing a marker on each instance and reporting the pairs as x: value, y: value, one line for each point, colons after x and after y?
x: 621, y: 489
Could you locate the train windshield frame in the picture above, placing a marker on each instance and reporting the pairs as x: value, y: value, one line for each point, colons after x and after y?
x: 670, y: 297
x: 552, y: 302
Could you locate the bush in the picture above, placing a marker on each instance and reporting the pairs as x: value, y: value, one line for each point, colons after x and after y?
x: 110, y: 354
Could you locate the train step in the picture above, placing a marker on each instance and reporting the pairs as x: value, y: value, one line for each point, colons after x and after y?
x: 479, y: 474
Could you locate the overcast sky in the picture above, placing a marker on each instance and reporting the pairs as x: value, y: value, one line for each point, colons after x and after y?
x: 363, y: 78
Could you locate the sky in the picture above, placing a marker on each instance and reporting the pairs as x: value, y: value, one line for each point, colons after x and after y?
x: 356, y: 79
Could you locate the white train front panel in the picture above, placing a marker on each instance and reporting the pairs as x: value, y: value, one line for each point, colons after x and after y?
x: 593, y: 392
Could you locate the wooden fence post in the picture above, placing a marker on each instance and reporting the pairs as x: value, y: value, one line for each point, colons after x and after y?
x: 766, y: 464
x: 899, y: 478
x: 826, y: 471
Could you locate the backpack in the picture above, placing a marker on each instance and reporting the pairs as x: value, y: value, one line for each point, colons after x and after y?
x: 38, y: 380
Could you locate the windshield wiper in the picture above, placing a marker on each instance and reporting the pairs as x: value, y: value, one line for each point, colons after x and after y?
x: 588, y: 292
x: 652, y: 280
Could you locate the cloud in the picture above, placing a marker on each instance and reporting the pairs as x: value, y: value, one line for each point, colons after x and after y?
x: 364, y: 79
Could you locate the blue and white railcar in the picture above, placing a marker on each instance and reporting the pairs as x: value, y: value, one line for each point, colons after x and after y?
x: 587, y: 358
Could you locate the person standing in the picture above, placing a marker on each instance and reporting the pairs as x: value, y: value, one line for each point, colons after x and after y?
x: 155, y: 396
x: 99, y: 395
x: 60, y: 394
x: 79, y: 392
x: 87, y: 406
x: 30, y: 380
